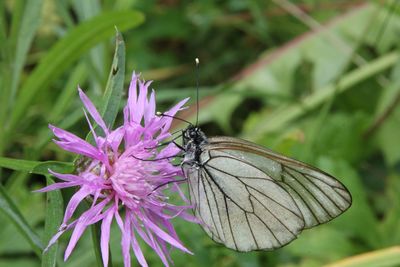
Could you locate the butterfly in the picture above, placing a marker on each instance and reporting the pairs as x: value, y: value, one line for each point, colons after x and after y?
x: 248, y: 197
x: 251, y: 198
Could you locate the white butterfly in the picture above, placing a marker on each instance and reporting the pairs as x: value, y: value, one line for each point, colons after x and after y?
x: 251, y: 198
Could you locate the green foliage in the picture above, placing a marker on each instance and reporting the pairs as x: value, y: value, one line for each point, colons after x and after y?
x: 325, y: 92
x: 53, y: 220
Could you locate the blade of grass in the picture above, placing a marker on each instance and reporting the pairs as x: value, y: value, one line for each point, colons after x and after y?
x: 9, y: 208
x: 53, y: 219
x: 384, y: 258
x: 62, y: 10
x: 66, y: 52
x: 283, y: 116
x: 29, y: 24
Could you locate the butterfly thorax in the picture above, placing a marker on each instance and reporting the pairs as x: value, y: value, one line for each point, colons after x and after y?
x: 193, y: 141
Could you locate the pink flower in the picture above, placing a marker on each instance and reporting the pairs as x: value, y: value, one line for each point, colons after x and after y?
x: 120, y: 184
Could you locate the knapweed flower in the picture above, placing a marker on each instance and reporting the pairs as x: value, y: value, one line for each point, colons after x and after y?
x: 121, y: 182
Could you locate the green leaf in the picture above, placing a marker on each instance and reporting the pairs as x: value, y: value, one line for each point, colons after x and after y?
x: 115, y: 84
x: 66, y: 51
x: 9, y: 208
x: 56, y: 166
x: 54, y: 214
x: 18, y: 164
x: 36, y: 167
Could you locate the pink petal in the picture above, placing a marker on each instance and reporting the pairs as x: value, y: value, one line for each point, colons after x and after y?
x: 92, y: 110
x: 89, y: 217
x: 115, y: 138
x: 126, y: 232
x: 105, y: 235
x: 172, y: 112
x: 169, y: 151
x: 58, y: 234
x: 57, y: 186
x: 163, y: 235
x: 138, y: 252
x: 132, y: 96
x: 126, y: 241
x: 150, y: 108
x: 66, y: 176
x: 76, y: 234
x: 74, y: 202
x: 157, y: 249
x: 97, y: 140
x: 141, y: 103
x: 72, y: 143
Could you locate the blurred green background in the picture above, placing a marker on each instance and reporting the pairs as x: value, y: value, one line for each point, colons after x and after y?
x: 318, y: 81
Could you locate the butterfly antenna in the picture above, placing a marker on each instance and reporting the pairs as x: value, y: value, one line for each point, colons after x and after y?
x: 197, y: 89
x: 173, y: 117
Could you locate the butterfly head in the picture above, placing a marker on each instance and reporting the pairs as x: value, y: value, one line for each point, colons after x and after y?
x: 194, y: 135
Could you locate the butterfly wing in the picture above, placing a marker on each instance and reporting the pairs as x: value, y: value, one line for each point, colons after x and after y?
x: 240, y: 206
x: 319, y: 196
x: 250, y: 198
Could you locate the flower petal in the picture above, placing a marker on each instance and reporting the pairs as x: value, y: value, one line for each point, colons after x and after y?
x: 87, y: 218
x: 172, y: 112
x: 141, y: 102
x: 126, y: 242
x: 73, y: 143
x: 66, y: 176
x: 56, y: 186
x: 58, y: 234
x: 138, y: 252
x: 132, y: 96
x: 150, y: 109
x: 105, y: 235
x: 92, y: 110
x: 74, y: 202
x: 163, y: 235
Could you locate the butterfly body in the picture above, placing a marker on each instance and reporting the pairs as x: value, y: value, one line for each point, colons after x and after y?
x: 193, y: 141
x: 251, y: 198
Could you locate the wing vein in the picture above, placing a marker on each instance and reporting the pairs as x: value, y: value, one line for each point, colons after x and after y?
x: 269, y: 229
x: 229, y: 222
x: 209, y: 206
x: 218, y: 208
x: 320, y: 190
x: 220, y: 189
x: 302, y: 199
x: 251, y: 230
x: 279, y: 220
x: 272, y: 181
x: 315, y: 177
x: 311, y: 194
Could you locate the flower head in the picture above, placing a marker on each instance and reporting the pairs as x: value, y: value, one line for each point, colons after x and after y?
x: 119, y: 180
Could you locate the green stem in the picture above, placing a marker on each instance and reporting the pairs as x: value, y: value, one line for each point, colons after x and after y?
x: 96, y: 232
